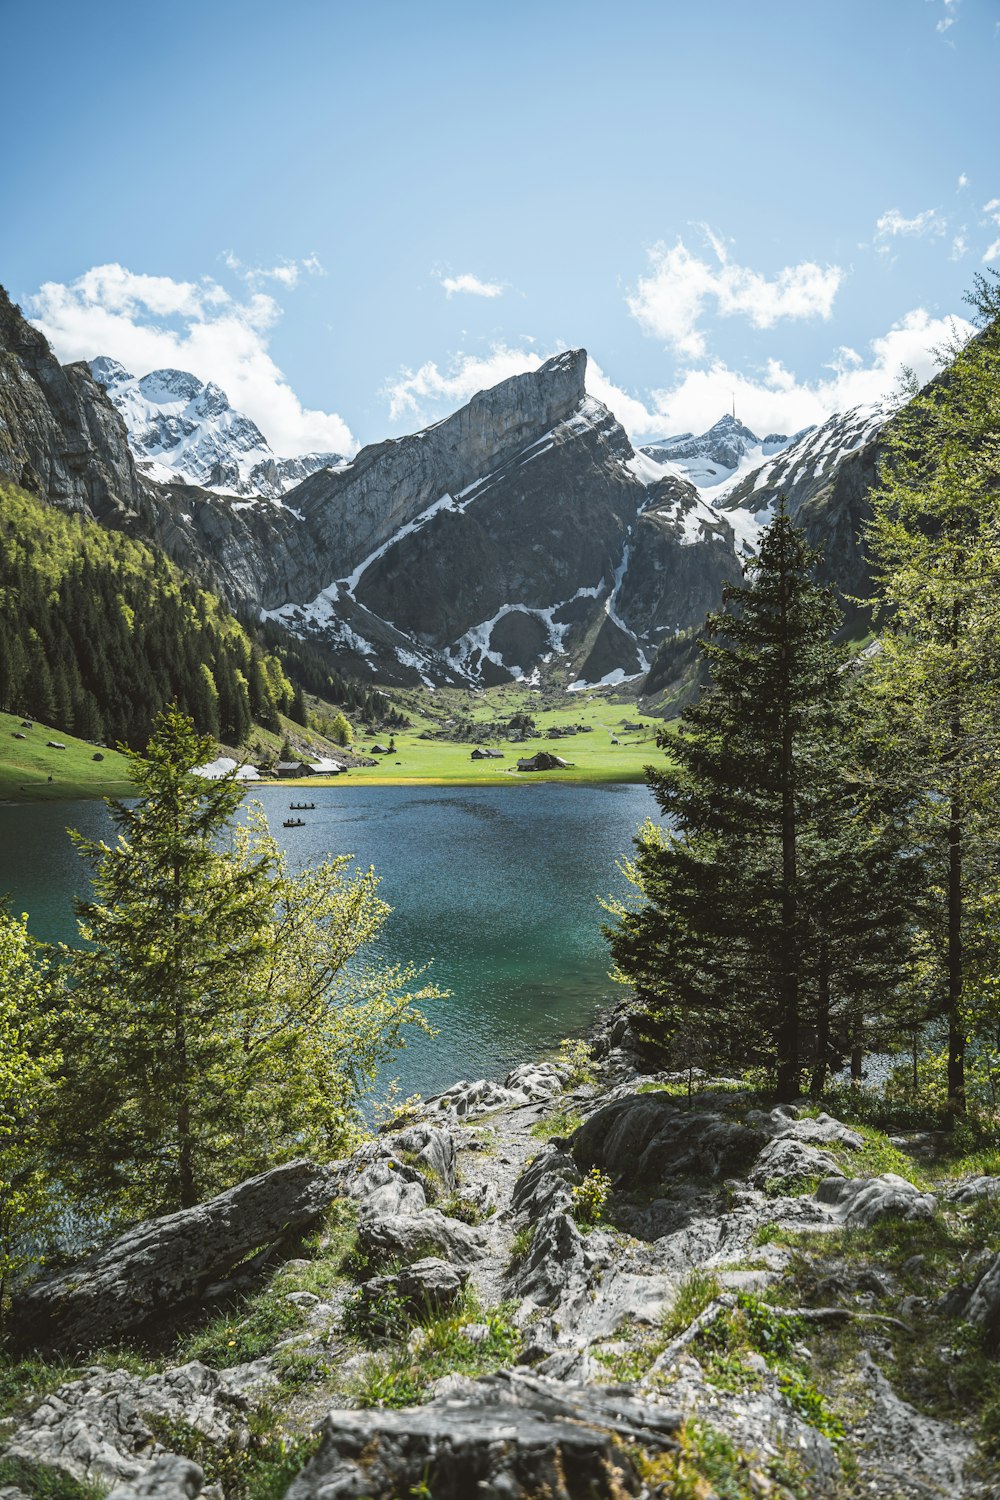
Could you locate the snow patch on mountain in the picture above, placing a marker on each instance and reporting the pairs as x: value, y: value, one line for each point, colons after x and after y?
x: 185, y: 431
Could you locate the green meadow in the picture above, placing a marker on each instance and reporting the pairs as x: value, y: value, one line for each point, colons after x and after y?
x: 32, y: 772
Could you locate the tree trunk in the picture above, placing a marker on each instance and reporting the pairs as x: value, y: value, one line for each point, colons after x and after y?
x: 818, y: 1082
x: 788, y: 1026
x: 956, y: 1028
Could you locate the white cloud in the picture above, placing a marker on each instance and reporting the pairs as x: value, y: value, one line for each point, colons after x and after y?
x: 963, y: 180
x: 950, y: 16
x: 415, y: 393
x: 771, y: 400
x: 777, y: 401
x: 148, y: 322
x: 669, y: 302
x: 286, y: 273
x: 992, y: 212
x: 959, y: 247
x: 471, y: 285
x: 892, y: 223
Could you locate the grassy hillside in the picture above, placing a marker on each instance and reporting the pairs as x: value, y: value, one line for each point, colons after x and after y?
x: 27, y: 765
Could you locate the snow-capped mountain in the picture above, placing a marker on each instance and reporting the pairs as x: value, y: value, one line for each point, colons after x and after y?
x: 718, y: 458
x: 182, y: 430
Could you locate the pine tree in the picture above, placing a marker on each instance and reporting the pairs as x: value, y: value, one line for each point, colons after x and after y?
x: 218, y: 1021
x: 29, y: 1073
x: 934, y: 546
x: 746, y: 935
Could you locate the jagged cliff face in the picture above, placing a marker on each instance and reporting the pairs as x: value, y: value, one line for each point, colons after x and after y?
x: 504, y: 542
x: 825, y: 477
x: 59, y: 436
x: 520, y: 537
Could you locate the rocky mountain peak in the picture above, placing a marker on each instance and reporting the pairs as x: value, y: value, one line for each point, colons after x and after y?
x: 108, y: 372
x: 186, y: 430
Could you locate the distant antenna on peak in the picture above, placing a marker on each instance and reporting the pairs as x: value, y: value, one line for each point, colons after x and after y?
x: 734, y: 406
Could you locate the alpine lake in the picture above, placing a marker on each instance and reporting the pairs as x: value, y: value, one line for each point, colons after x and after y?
x: 497, y: 889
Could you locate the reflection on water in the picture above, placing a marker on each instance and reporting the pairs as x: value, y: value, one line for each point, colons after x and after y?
x: 497, y: 886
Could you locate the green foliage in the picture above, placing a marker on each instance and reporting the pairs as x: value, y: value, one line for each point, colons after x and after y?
x: 30, y: 1069
x: 522, y: 1242
x: 590, y: 1197
x: 41, y: 1483
x: 250, y: 1327
x: 438, y: 1348
x: 224, y: 1014
x: 575, y: 1056
x: 707, y: 1465
x: 562, y: 1123
x: 260, y: 1468
x: 100, y: 632
x: 695, y: 1292
x: 772, y: 894
x: 934, y: 544
x: 809, y: 1404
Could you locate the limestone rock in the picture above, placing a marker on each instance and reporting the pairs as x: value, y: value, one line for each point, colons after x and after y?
x: 162, y: 1264
x: 648, y: 1137
x: 786, y: 1161
x: 168, y: 1478
x: 428, y: 1285
x: 409, y: 1237
x: 433, y: 1147
x: 104, y: 1426
x: 974, y: 1190
x: 509, y: 1436
x: 555, y: 1258
x: 980, y: 1304
x: 863, y: 1200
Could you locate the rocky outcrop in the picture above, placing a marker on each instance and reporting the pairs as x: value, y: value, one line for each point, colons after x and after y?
x: 113, y: 1426
x: 508, y: 1435
x: 591, y: 1393
x: 60, y: 437
x: 163, y: 1265
x: 864, y: 1200
x: 825, y: 477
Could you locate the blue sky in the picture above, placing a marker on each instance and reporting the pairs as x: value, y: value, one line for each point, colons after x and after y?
x: 352, y: 215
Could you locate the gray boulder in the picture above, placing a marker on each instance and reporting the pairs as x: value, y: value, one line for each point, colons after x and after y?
x: 429, y: 1285
x: 546, y: 1184
x: 162, y: 1264
x: 863, y: 1200
x: 555, y: 1258
x: 507, y: 1437
x: 974, y: 1190
x: 169, y: 1478
x: 786, y: 1161
x: 104, y: 1426
x: 980, y: 1303
x: 382, y: 1184
x: 431, y: 1146
x: 645, y: 1138
x: 410, y: 1237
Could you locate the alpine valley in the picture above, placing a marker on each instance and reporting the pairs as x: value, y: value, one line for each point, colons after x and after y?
x: 521, y: 538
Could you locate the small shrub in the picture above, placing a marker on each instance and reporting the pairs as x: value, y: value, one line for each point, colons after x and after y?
x: 560, y: 1124
x: 575, y: 1056
x: 46, y: 1484
x: 775, y: 1335
x: 521, y: 1243
x: 387, y: 1317
x: 809, y: 1404
x: 694, y: 1294
x: 590, y: 1197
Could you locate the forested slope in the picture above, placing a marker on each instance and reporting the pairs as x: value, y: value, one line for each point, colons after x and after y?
x: 99, y: 631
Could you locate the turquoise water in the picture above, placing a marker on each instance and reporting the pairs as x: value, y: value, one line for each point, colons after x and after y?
x: 497, y: 886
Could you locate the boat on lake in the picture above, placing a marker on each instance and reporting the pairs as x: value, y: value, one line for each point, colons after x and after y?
x: 294, y: 823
